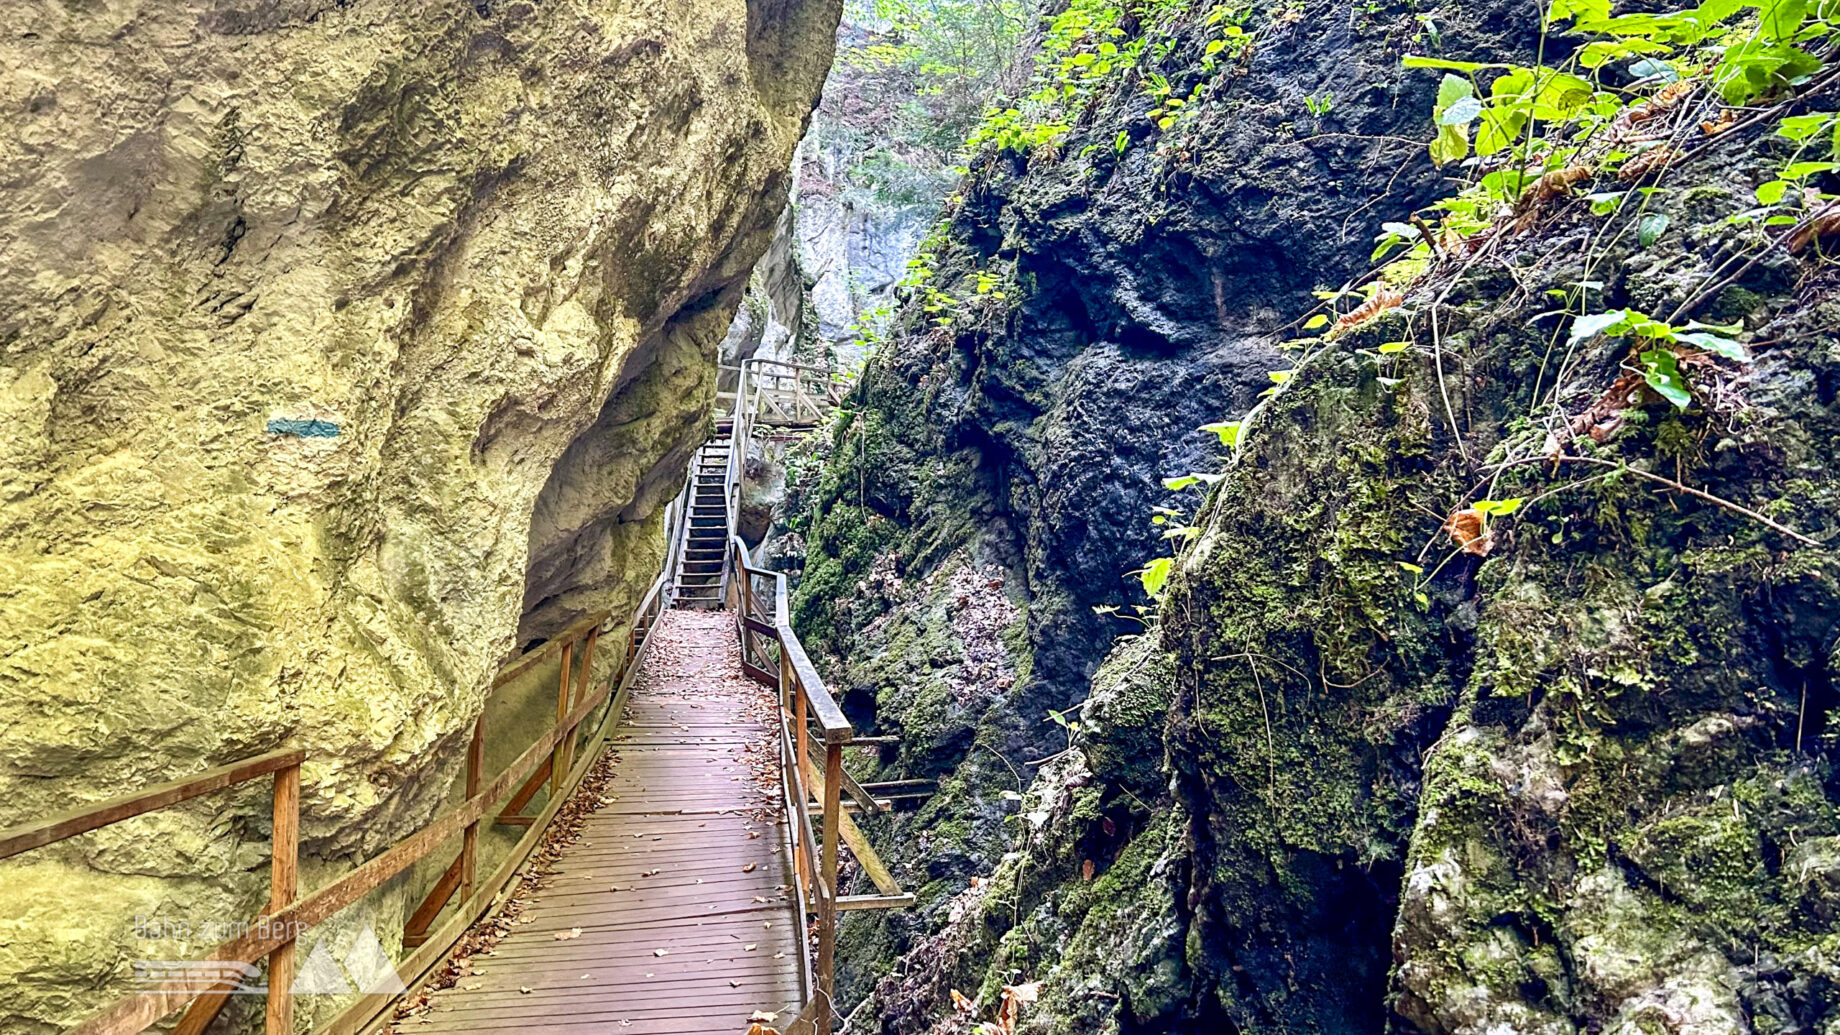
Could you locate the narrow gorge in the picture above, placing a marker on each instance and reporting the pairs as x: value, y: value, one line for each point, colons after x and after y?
x: 1316, y: 516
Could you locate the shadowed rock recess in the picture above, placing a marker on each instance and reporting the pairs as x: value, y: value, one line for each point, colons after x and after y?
x: 346, y: 347
x: 1351, y: 779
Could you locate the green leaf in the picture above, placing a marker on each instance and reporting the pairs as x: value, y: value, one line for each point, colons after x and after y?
x: 1511, y: 85
x: 1280, y: 376
x: 1560, y: 95
x: 1190, y: 479
x: 1453, y: 88
x: 1462, y: 112
x: 1315, y: 321
x: 1650, y: 228
x: 1391, y: 347
x: 1450, y: 145
x: 1772, y: 192
x: 1662, y: 373
x: 1781, y: 19
x: 1801, y: 127
x: 1419, y: 61
x: 1715, y: 344
x: 1155, y: 575
x: 1803, y: 170
x: 1712, y: 12
x: 1499, y: 508
x: 1583, y: 10
x: 1587, y: 327
x: 1227, y: 430
x: 1605, y: 203
x: 1123, y: 141
x: 1424, y: 602
x: 1498, y: 129
x: 1452, y: 141
x: 1413, y: 568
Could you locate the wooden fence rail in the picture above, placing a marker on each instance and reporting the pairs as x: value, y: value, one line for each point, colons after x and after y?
x: 274, y: 932
x: 806, y: 707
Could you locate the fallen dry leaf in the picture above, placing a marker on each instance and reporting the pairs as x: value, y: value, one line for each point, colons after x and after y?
x: 573, y: 932
x: 1383, y: 299
x: 1824, y: 222
x: 1469, y: 529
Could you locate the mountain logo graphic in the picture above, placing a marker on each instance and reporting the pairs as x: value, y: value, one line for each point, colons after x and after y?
x: 366, y: 968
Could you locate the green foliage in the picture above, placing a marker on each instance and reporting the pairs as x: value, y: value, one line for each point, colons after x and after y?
x: 1087, y: 49
x: 1536, y: 121
x: 951, y: 50
x: 1656, y: 346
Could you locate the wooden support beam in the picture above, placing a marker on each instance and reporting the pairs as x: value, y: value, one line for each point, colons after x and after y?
x: 469, y: 838
x: 415, y: 932
x: 834, y: 819
x: 849, y: 902
x: 853, y: 836
x: 283, y: 887
x: 508, y: 816
x: 559, y: 760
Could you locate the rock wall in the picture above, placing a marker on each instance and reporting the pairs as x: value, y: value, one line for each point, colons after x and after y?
x: 347, y: 347
x: 1583, y: 783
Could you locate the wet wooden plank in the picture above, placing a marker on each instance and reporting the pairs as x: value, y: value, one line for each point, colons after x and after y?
x: 673, y: 910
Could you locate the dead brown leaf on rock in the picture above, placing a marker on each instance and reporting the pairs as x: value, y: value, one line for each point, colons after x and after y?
x: 1824, y: 222
x: 1383, y: 299
x: 1469, y: 528
x: 1648, y: 163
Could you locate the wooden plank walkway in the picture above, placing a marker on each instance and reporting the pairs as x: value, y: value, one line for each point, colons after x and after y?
x: 672, y: 909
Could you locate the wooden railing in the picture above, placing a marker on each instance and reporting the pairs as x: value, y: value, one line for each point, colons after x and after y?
x: 778, y: 393
x: 273, y: 933
x: 771, y: 654
x: 773, y: 393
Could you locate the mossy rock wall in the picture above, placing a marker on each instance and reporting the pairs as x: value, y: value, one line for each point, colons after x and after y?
x: 347, y: 349
x: 1580, y: 781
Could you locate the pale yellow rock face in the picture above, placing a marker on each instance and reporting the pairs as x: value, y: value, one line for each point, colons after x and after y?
x: 495, y: 243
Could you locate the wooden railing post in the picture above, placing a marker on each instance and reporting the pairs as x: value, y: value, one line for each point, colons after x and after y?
x: 469, y: 839
x: 581, y: 686
x: 558, y: 756
x: 827, y: 907
x: 283, y: 886
x: 799, y: 709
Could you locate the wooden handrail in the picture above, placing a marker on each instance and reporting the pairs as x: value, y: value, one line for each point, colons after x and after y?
x: 805, y: 702
x: 568, y: 635
x: 114, y: 810
x: 829, y: 717
x: 274, y: 932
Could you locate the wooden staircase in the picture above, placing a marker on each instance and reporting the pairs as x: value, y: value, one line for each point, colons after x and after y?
x: 698, y: 580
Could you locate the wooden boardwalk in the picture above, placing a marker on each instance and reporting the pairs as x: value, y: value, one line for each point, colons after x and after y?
x: 672, y: 910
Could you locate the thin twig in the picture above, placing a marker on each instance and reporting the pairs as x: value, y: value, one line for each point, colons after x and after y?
x: 1717, y: 501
